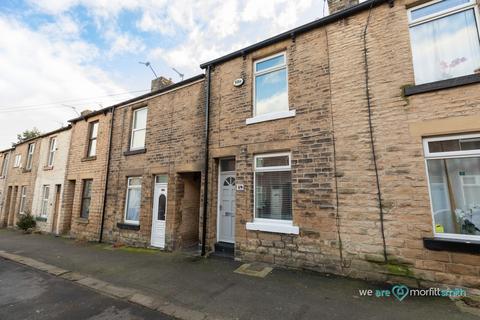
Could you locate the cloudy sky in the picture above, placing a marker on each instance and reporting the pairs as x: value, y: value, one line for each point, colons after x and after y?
x: 58, y: 57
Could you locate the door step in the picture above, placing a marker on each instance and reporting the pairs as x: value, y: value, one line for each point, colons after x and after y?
x: 224, y: 249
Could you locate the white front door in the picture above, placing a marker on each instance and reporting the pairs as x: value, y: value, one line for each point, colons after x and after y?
x: 226, y: 207
x: 159, y: 214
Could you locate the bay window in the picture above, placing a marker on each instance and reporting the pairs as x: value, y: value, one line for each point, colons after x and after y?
x: 133, y: 200
x: 445, y: 39
x: 453, y: 168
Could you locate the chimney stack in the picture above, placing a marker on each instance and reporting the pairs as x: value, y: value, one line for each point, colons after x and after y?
x: 160, y: 82
x: 85, y: 112
x: 339, y: 5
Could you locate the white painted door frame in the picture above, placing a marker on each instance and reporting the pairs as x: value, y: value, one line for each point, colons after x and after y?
x: 221, y: 175
x: 158, y: 240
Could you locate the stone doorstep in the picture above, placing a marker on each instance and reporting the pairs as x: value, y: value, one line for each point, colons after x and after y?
x: 106, y: 288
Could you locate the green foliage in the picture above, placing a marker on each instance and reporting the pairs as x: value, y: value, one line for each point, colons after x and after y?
x: 26, y: 222
x: 28, y: 134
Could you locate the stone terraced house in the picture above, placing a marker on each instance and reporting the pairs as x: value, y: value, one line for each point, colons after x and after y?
x: 349, y: 145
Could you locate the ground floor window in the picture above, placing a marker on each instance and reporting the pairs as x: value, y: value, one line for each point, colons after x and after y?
x: 273, y: 187
x: 44, y: 204
x: 453, y: 167
x: 133, y: 200
x: 23, y: 199
x: 86, y: 198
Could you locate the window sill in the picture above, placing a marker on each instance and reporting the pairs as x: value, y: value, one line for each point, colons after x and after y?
x: 271, y: 116
x: 89, y: 158
x: 452, y: 245
x: 81, y: 220
x: 46, y: 168
x: 441, y: 85
x: 272, y: 227
x: 26, y: 170
x: 128, y: 226
x: 133, y: 152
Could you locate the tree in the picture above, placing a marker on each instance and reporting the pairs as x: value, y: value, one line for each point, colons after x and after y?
x: 28, y: 134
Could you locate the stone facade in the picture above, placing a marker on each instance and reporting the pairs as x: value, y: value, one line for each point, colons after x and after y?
x: 51, y: 176
x: 173, y: 147
x: 81, y: 167
x: 5, y: 158
x: 329, y: 141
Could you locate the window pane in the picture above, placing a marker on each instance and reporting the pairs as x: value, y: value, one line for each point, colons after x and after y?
x: 270, y: 63
x: 92, y: 148
x: 161, y: 179
x: 227, y: 165
x: 445, y: 48
x: 455, y: 192
x: 138, y: 139
x: 436, y: 7
x: 94, y: 131
x: 454, y: 145
x: 162, y: 205
x: 271, y: 92
x: 85, y: 208
x: 140, y: 121
x: 133, y: 204
x: 136, y: 181
x: 87, y: 189
x: 263, y: 162
x: 273, y: 195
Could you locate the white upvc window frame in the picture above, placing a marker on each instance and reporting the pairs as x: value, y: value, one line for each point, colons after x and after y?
x: 52, y: 148
x: 133, y: 222
x: 271, y: 225
x: 23, y: 199
x: 17, y: 161
x: 44, y: 201
x: 441, y: 14
x: 30, y: 152
x: 447, y: 155
x: 132, y: 148
x: 271, y: 115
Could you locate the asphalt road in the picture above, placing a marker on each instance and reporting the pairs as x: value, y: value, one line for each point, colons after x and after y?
x: 30, y: 294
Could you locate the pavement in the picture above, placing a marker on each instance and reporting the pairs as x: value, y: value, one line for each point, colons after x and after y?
x: 191, y: 288
x: 26, y: 293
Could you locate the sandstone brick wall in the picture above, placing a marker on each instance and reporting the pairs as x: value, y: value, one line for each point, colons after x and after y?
x: 3, y: 186
x: 173, y: 146
x: 80, y: 168
x: 53, y: 177
x: 18, y: 177
x: 327, y: 72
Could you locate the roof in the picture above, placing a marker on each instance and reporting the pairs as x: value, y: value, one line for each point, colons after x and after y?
x: 299, y: 30
x: 43, y: 135
x: 144, y: 96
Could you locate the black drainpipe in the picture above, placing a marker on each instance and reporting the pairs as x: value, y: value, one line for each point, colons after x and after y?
x: 205, y: 179
x: 106, y: 177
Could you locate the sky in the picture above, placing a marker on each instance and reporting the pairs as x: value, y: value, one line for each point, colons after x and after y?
x: 59, y: 57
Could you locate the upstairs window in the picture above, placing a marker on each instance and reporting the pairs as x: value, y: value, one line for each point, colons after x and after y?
x: 3, y: 173
x: 445, y: 39
x: 139, y: 128
x: 270, y: 85
x: 52, y: 148
x: 453, y: 167
x: 17, y: 161
x: 273, y: 187
x: 31, y: 150
x: 92, y: 139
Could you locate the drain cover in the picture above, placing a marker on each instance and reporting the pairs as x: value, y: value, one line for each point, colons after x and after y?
x: 254, y: 269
